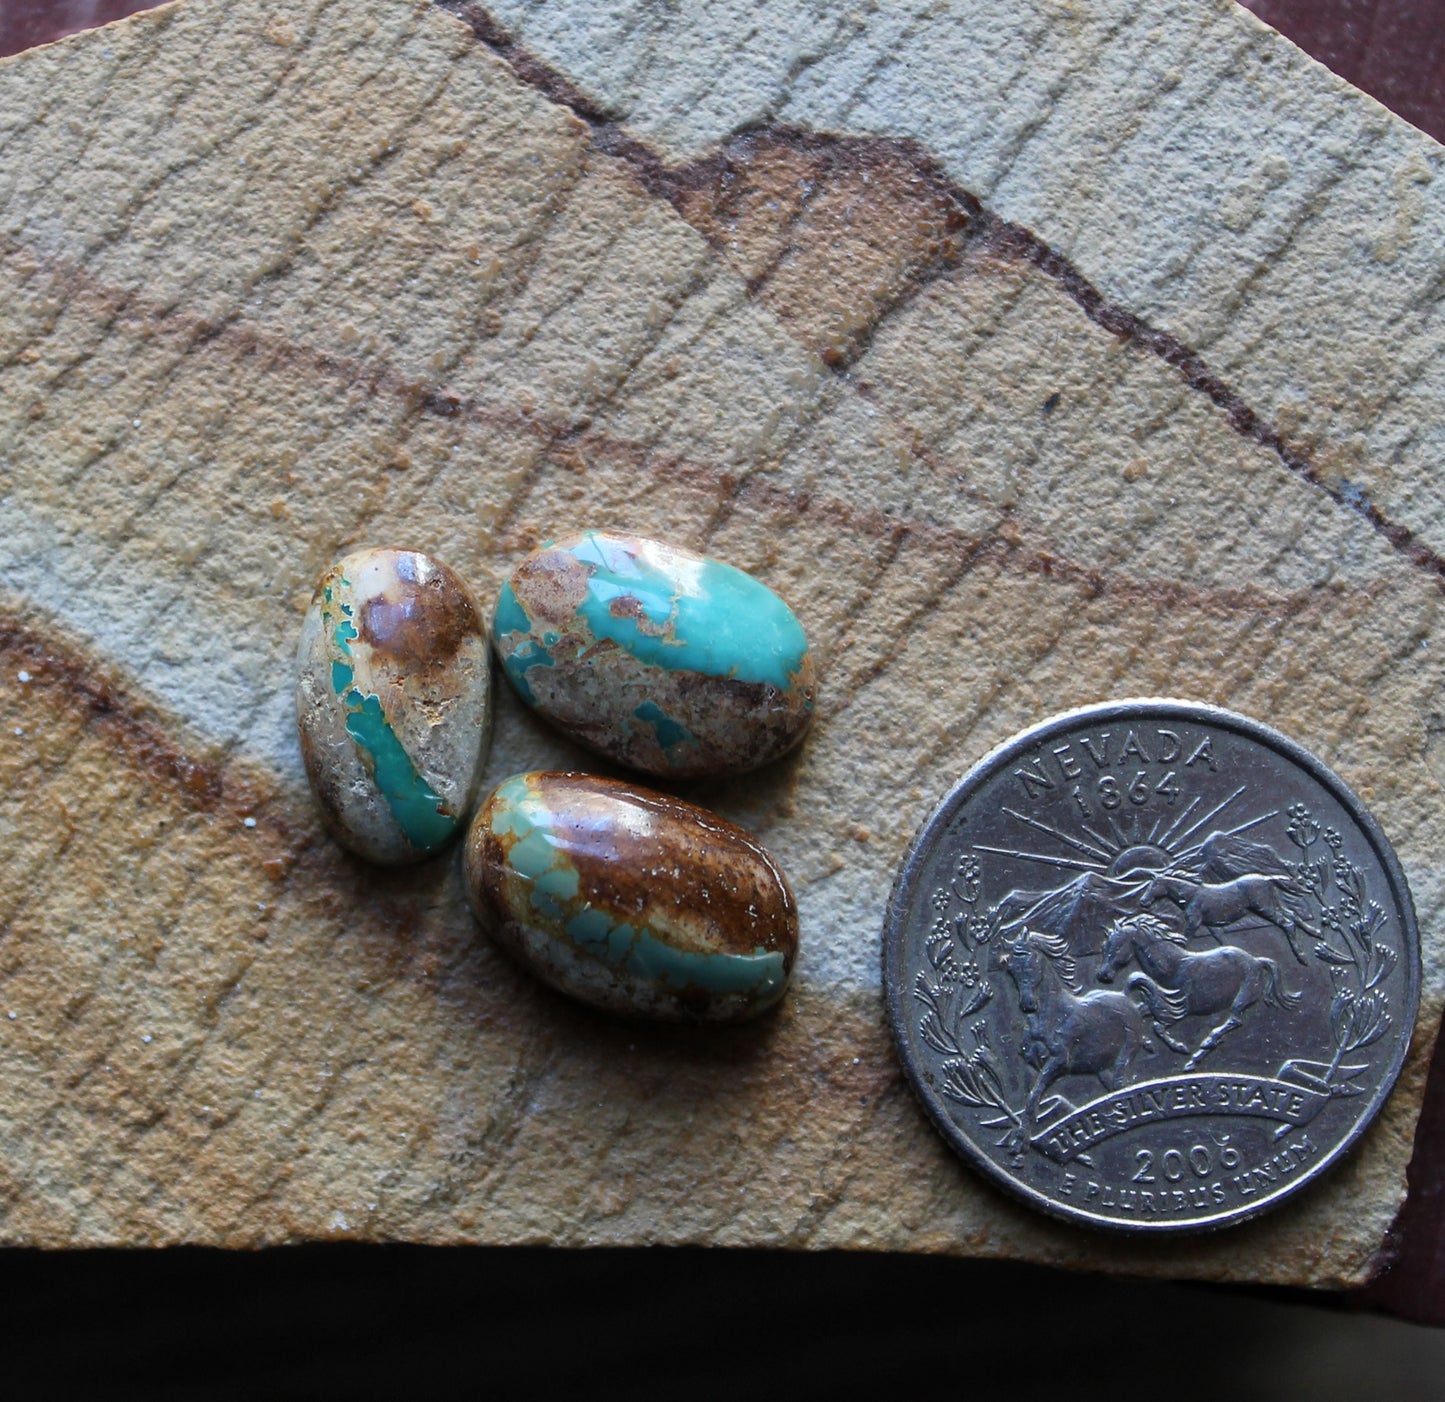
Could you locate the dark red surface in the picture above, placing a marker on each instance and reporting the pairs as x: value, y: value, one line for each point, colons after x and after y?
x: 1394, y: 50
x: 1414, y: 1286
x: 26, y: 23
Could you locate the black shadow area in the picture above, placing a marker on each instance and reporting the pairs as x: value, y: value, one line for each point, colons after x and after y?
x: 350, y: 1321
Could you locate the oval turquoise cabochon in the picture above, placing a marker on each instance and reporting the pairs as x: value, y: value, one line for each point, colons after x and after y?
x: 662, y: 658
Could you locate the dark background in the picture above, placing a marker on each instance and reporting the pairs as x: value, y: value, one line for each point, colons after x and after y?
x: 397, y: 1321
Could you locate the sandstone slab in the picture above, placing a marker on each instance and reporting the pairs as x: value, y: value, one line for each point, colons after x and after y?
x: 1039, y: 354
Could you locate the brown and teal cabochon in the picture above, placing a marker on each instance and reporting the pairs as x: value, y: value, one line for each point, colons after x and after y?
x: 664, y: 660
x: 631, y: 900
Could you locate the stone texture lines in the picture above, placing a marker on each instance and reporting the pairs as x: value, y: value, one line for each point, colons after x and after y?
x: 769, y: 191
x: 279, y: 281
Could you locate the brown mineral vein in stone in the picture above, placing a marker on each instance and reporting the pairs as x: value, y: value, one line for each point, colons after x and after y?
x: 1017, y: 546
x: 1009, y: 545
x: 217, y: 1101
x: 132, y: 730
x: 834, y: 232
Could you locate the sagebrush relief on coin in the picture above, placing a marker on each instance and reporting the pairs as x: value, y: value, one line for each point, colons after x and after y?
x: 1152, y: 965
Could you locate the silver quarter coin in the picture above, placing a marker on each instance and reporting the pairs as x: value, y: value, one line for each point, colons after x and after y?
x: 1151, y: 966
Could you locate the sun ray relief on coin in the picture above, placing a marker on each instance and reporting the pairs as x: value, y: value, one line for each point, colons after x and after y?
x: 1151, y: 966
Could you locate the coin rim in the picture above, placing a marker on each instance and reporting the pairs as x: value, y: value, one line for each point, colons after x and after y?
x: 1030, y: 738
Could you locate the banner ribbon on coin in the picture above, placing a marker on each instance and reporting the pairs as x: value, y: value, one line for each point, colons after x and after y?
x: 1177, y: 1097
x: 1154, y: 939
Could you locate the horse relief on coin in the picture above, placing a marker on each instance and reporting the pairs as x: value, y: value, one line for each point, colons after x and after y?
x: 1151, y: 966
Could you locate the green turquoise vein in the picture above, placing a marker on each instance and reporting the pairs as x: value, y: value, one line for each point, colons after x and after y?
x: 720, y: 623
x: 420, y: 812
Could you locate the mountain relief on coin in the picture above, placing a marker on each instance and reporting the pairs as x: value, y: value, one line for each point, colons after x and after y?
x: 1151, y: 965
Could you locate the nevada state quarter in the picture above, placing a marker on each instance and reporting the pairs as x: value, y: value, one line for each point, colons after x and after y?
x: 1151, y: 966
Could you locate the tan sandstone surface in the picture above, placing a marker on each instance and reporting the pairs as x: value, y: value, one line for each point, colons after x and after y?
x: 1037, y: 353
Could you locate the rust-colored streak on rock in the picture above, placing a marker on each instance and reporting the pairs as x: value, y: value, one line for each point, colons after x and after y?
x: 831, y: 234
x: 1009, y: 546
x: 1018, y: 548
x: 835, y: 231
x: 135, y: 735
x: 530, y: 69
x: 1013, y: 240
